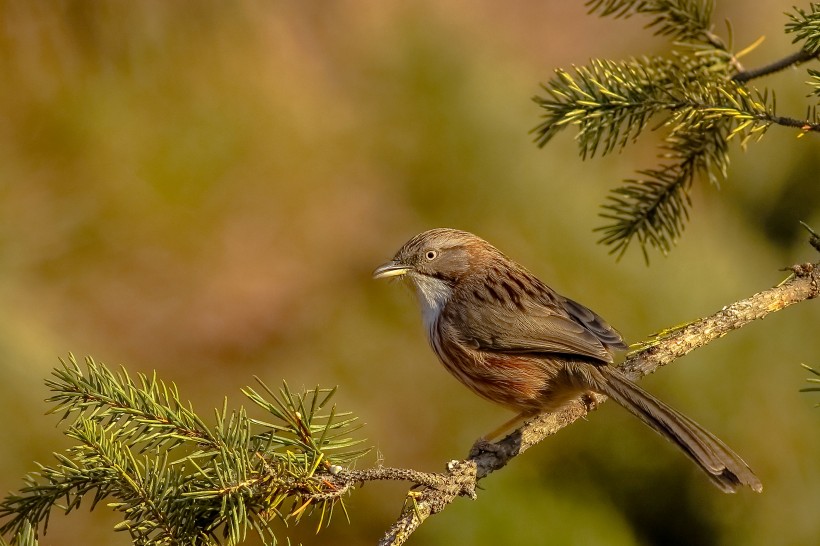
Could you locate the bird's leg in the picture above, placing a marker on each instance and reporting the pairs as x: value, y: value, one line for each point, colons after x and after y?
x: 508, y: 425
x: 485, y: 442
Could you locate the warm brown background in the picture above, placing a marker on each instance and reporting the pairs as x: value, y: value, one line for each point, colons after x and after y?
x: 204, y: 188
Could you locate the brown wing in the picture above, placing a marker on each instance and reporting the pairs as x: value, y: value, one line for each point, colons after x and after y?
x: 544, y: 322
x: 593, y: 322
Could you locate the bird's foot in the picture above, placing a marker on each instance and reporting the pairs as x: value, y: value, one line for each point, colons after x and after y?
x: 589, y: 401
x: 482, y: 445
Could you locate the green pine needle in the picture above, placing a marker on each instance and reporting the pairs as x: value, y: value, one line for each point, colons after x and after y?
x: 25, y: 536
x: 813, y: 380
x: 814, y: 83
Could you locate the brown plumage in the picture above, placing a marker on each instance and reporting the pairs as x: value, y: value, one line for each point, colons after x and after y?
x: 513, y: 340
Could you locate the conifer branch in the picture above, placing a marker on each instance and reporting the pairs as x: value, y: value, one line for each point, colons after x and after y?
x: 177, y: 480
x: 611, y: 103
x: 653, y: 209
x: 701, y: 100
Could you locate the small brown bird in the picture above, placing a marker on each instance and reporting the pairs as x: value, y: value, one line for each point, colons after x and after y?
x: 513, y: 340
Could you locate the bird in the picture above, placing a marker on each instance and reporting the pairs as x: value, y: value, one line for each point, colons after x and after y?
x: 515, y: 341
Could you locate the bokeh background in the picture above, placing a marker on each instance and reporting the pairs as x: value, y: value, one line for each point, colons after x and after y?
x: 203, y: 188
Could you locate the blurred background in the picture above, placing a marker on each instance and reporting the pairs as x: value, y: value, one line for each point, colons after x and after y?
x: 203, y: 189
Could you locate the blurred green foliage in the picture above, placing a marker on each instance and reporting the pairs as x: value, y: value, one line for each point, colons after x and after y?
x: 203, y: 189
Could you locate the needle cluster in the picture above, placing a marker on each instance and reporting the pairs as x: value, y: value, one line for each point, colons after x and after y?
x: 699, y: 97
x: 175, y: 478
x: 805, y: 25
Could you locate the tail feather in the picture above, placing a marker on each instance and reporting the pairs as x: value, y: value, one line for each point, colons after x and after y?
x: 723, y: 466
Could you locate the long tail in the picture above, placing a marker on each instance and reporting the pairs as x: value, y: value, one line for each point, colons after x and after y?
x: 723, y: 466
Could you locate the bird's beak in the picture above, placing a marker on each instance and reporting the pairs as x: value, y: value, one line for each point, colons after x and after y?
x: 390, y: 269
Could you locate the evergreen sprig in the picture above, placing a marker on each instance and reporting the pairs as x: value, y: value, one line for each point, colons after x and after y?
x: 653, y: 208
x: 683, y: 20
x: 176, y: 479
x: 610, y: 102
x: 699, y: 96
x: 806, y: 27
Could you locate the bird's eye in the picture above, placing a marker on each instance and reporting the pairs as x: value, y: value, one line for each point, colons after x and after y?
x: 431, y: 254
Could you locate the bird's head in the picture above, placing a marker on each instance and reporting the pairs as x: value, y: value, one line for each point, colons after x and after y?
x: 434, y: 261
x: 442, y: 253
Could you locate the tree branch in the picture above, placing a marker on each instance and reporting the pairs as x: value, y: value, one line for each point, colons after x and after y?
x: 795, y: 58
x: 781, y: 64
x: 801, y: 124
x: 436, y: 491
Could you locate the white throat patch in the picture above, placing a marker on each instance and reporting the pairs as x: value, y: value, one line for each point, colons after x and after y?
x: 433, y: 294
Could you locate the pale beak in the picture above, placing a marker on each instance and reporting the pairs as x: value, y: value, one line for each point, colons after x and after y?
x: 390, y: 269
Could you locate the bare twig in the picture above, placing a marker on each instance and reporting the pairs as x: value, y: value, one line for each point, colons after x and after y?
x: 433, y: 492
x: 795, y: 58
x: 814, y: 237
x: 784, y: 121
